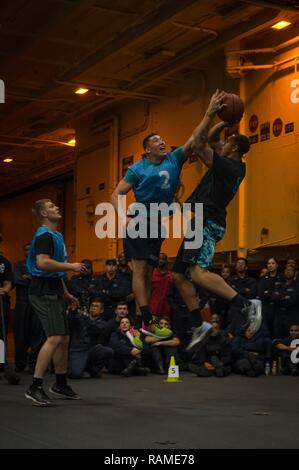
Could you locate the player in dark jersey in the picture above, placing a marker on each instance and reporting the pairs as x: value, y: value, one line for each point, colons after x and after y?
x: 217, y: 188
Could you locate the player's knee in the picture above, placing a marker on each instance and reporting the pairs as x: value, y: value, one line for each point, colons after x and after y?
x: 140, y: 268
x: 54, y: 340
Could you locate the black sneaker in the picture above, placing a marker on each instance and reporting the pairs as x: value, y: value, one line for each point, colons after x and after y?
x: 65, y: 392
x: 38, y: 396
x: 131, y: 369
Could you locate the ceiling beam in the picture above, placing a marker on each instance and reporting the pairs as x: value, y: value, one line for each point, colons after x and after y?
x: 136, y: 30
x: 45, y: 26
x: 150, y: 20
x: 191, y: 55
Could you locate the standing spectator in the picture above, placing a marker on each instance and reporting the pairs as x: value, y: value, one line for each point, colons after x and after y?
x: 267, y: 285
x: 27, y: 328
x: 220, y: 304
x: 123, y: 267
x: 293, y: 263
x: 161, y: 282
x: 286, y: 298
x: 6, y: 279
x: 246, y: 287
x: 112, y: 287
x: 125, y: 271
x: 243, y: 284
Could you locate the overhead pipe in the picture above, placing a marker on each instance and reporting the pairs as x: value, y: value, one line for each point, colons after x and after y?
x: 275, y: 5
x: 34, y: 139
x: 193, y: 27
x: 263, y: 66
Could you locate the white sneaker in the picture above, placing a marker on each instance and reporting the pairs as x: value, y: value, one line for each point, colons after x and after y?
x: 255, y: 315
x: 198, y: 335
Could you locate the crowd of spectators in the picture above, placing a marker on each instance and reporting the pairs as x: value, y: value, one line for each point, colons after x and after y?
x: 103, y: 336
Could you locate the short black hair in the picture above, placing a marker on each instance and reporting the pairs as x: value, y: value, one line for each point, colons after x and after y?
x: 121, y: 302
x: 97, y: 300
x: 147, y: 139
x: 87, y: 262
x: 242, y: 143
x: 241, y: 258
x: 111, y: 261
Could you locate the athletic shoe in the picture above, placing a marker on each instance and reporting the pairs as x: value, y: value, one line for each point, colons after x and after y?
x: 38, y: 396
x: 198, y: 335
x: 157, y: 331
x: 135, y: 339
x: 255, y: 315
x: 65, y: 392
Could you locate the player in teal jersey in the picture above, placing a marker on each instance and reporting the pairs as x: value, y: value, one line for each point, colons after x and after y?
x: 154, y: 179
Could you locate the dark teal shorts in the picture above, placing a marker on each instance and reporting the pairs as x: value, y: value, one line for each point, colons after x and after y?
x: 203, y: 256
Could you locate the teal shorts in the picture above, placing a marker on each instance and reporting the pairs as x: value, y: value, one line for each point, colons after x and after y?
x: 203, y: 256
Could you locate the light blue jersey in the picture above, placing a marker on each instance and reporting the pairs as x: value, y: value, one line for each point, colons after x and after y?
x: 60, y: 254
x: 156, y: 183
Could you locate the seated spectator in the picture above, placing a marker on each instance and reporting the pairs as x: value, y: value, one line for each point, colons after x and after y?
x: 88, y: 334
x: 161, y: 350
x: 250, y: 352
x: 213, y: 357
x: 121, y: 311
x: 284, y: 349
x: 127, y: 348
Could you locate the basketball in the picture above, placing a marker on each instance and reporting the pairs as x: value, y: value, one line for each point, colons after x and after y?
x: 234, y: 109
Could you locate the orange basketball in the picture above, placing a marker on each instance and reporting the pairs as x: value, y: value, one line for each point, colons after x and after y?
x: 234, y: 109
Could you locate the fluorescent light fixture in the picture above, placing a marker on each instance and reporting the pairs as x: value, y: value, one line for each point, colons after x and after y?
x: 72, y: 142
x: 281, y: 25
x: 81, y: 91
x: 8, y: 160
